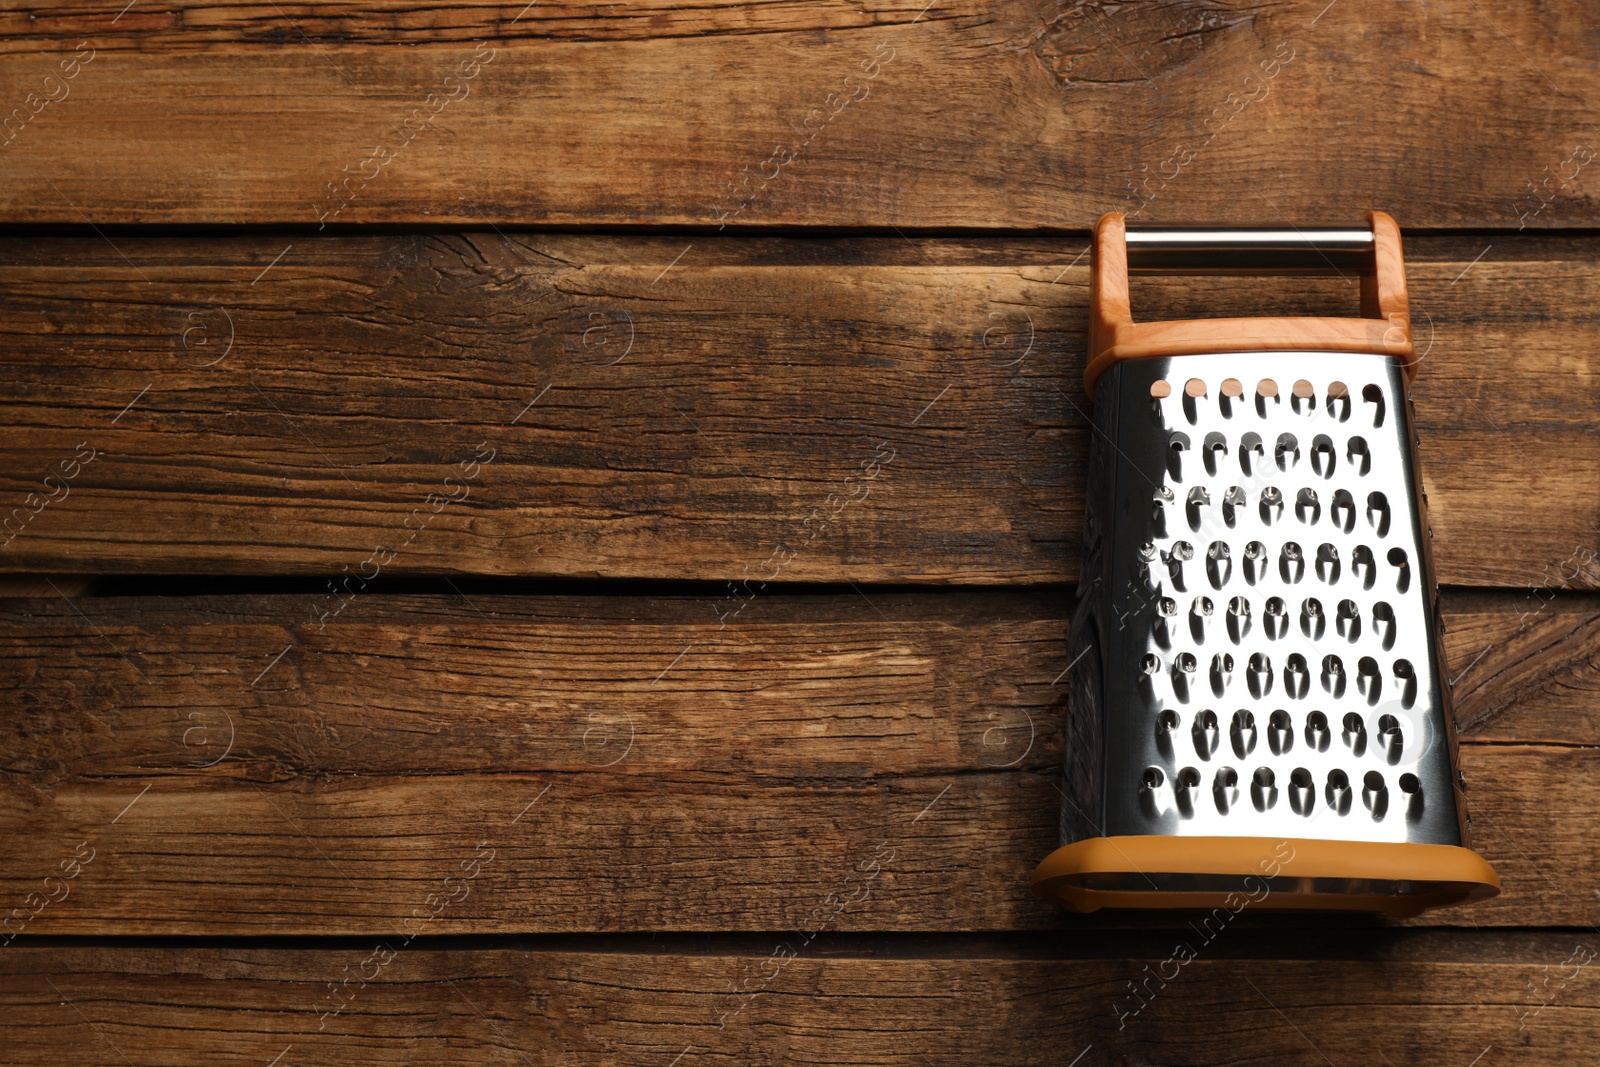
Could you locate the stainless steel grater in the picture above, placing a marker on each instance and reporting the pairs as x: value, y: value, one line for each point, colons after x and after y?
x: 1257, y: 709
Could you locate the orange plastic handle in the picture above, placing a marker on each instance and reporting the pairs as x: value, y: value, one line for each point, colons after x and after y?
x: 1384, y: 328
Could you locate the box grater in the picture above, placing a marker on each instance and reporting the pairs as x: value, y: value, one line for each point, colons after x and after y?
x: 1257, y: 711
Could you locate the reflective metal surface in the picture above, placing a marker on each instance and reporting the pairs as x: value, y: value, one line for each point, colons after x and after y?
x: 1237, y: 251
x: 1256, y: 648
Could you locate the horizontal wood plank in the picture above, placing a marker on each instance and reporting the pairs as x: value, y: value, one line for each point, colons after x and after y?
x: 801, y: 410
x: 1524, y: 1000
x: 215, y: 754
x: 969, y: 113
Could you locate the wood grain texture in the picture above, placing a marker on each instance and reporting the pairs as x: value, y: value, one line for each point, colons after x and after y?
x: 973, y: 113
x: 627, y: 764
x: 661, y: 409
x: 1524, y: 1000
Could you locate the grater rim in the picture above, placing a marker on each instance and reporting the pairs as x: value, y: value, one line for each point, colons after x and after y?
x: 1397, y: 879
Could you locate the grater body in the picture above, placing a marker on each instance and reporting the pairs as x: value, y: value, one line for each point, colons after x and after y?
x: 1256, y: 644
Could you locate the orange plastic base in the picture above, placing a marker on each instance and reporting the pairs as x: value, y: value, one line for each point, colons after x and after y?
x: 1397, y: 879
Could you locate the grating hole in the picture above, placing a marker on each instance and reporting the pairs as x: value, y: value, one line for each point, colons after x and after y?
x: 1232, y: 387
x: 1397, y: 560
x: 1216, y: 447
x: 1255, y: 561
x: 1317, y: 733
x: 1263, y: 788
x: 1225, y: 788
x: 1206, y: 734
x: 1343, y: 511
x: 1266, y: 387
x: 1355, y: 733
x: 1378, y: 513
x: 1287, y: 451
x: 1276, y: 620
x: 1302, y: 401
x: 1232, y: 501
x: 1390, y: 737
x: 1406, y: 678
x: 1409, y: 783
x: 1291, y: 562
x: 1359, y: 454
x: 1160, y: 390
x: 1365, y: 566
x: 1375, y: 795
x: 1221, y: 672
x: 1195, y: 387
x: 1250, y: 451
x: 1307, y: 507
x: 1198, y: 499
x: 1296, y: 679
x: 1150, y: 663
x: 1238, y: 618
x: 1243, y: 733
x: 1180, y: 441
x: 1188, y: 778
x: 1280, y: 733
x: 1322, y: 455
x: 1302, y: 793
x: 1367, y: 680
x: 1312, y: 621
x: 1339, y: 402
x: 1348, y: 615
x: 1327, y: 563
x: 1383, y: 624
x: 1338, y: 791
x: 1271, y: 504
x: 1373, y: 395
x: 1152, y: 778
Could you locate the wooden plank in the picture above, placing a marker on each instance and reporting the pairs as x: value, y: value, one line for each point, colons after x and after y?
x: 681, y: 410
x: 1526, y: 999
x: 1526, y: 669
x: 965, y: 113
x: 210, y: 752
x: 37, y: 585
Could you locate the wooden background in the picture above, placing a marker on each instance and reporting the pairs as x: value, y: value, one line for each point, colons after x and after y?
x: 582, y: 578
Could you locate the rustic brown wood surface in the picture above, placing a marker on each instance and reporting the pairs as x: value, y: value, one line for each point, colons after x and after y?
x: 636, y: 765
x: 1442, y: 1000
x: 971, y: 113
x: 797, y: 410
x: 543, y: 533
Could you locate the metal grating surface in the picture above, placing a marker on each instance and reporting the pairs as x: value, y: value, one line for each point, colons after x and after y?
x: 1271, y: 660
